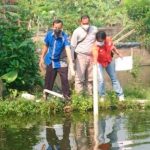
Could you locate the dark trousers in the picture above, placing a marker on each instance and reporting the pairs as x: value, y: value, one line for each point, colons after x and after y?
x: 50, y: 77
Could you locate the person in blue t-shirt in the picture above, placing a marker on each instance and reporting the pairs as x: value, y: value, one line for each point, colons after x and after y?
x: 54, y: 55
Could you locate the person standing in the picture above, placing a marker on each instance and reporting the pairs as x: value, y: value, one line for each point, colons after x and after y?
x: 82, y: 41
x: 103, y: 50
x: 54, y: 55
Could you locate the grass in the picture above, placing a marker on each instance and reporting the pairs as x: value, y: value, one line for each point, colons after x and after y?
x: 137, y: 93
x: 80, y: 103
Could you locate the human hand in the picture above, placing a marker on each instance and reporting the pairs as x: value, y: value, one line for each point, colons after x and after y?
x: 41, y: 64
x: 72, y: 69
x: 120, y: 55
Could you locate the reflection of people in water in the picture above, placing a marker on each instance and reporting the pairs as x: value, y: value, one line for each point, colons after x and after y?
x: 58, y: 136
x: 107, y: 132
x: 110, y: 129
x: 106, y: 128
x: 82, y: 136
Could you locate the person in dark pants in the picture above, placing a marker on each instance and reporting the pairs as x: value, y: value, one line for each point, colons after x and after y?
x: 59, y: 142
x: 54, y: 55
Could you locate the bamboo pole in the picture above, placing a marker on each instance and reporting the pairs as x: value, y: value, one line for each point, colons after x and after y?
x: 124, y: 36
x: 119, y: 33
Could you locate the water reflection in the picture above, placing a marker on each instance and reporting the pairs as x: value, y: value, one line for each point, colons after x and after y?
x: 96, y: 132
x: 18, y: 134
x: 108, y: 131
x: 105, y: 133
x: 57, y: 136
x: 112, y: 132
x: 84, y: 135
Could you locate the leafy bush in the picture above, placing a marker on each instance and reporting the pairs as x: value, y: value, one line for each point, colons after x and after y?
x: 17, y: 52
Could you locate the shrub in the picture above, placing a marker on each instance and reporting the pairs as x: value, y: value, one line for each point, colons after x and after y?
x: 17, y: 52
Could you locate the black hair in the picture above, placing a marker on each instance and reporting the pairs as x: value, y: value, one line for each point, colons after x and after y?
x: 85, y: 17
x: 57, y: 21
x: 100, y: 35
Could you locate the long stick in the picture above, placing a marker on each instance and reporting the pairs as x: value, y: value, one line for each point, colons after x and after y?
x: 95, y: 106
x: 124, y: 36
x: 95, y: 90
x: 119, y: 33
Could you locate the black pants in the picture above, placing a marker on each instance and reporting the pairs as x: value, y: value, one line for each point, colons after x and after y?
x: 50, y: 77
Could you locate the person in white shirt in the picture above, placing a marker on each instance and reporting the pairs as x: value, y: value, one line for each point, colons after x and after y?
x: 82, y: 41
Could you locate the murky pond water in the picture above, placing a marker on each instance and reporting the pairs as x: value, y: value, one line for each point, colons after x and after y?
x: 108, y: 131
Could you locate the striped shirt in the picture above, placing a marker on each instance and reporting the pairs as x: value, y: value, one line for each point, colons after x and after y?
x: 56, y: 54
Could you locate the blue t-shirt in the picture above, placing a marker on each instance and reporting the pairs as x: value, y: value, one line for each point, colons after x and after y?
x: 56, y: 48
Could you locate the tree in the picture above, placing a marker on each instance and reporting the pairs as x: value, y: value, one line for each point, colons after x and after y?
x: 41, y: 13
x: 139, y: 12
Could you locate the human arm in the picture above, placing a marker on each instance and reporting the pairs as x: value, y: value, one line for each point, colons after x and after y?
x: 74, y: 43
x: 112, y: 47
x: 70, y: 59
x: 44, y: 51
x: 115, y: 50
x: 95, y: 53
x: 74, y: 40
x: 69, y: 56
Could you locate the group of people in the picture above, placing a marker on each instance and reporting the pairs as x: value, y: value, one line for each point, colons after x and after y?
x: 90, y: 46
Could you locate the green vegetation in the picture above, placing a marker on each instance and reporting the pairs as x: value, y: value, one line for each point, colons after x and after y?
x: 138, y: 123
x: 102, y: 13
x: 19, y: 62
x: 137, y: 92
x: 139, y: 12
x: 24, y: 107
x: 19, y: 133
x: 20, y: 21
x: 80, y: 103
